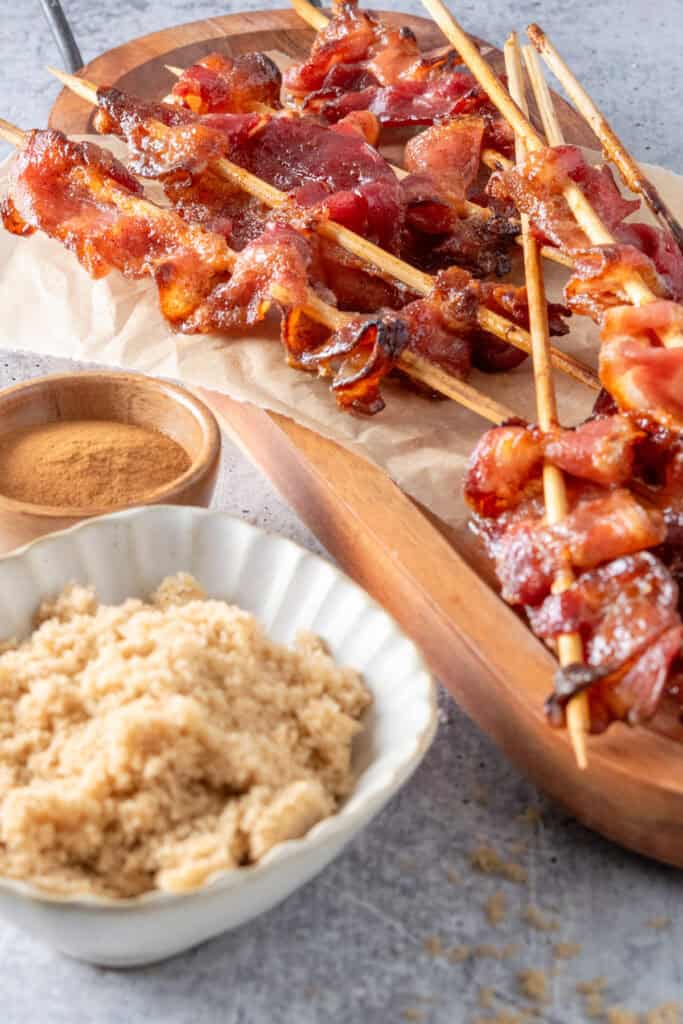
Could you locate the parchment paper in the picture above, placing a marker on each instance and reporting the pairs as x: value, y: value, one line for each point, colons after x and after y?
x: 49, y: 305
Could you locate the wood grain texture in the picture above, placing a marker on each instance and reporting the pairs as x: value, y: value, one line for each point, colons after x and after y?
x: 414, y: 565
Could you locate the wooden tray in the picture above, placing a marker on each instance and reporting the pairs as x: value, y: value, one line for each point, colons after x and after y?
x: 491, y: 663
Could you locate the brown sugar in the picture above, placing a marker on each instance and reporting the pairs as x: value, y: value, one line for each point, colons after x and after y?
x: 87, y: 463
x: 489, y: 862
x: 534, y: 916
x: 533, y: 984
x: 566, y: 950
x: 496, y: 908
x: 667, y: 1013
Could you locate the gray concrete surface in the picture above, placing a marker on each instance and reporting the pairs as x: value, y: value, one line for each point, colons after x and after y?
x: 382, y: 935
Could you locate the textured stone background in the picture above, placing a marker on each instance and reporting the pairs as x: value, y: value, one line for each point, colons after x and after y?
x: 367, y: 941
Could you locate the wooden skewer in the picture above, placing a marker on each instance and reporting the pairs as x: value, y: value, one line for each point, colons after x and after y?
x: 412, y: 364
x: 388, y: 264
x: 496, y: 160
x: 315, y: 18
x: 569, y: 645
x: 613, y: 148
x: 638, y: 291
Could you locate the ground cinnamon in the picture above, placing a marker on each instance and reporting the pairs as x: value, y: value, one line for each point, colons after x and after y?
x: 87, y: 463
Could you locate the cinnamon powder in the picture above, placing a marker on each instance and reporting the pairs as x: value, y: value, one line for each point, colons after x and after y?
x: 87, y: 463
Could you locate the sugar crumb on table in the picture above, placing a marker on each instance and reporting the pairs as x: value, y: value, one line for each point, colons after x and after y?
x: 487, y: 860
x: 535, y: 917
x: 533, y: 984
x: 496, y: 908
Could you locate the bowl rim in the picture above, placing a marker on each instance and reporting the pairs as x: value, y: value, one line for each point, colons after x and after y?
x: 201, y: 464
x: 342, y: 821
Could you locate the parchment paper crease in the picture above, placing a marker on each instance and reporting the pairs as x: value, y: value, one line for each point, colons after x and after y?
x: 49, y: 305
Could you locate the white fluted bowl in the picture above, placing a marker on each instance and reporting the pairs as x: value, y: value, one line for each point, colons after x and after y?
x: 126, y: 555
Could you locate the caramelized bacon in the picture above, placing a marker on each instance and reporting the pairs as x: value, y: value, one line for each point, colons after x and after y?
x: 505, y: 466
x: 449, y: 153
x: 627, y: 615
x: 357, y: 357
x: 279, y: 256
x: 600, y: 277
x: 535, y: 187
x: 225, y: 85
x: 80, y: 195
x: 412, y: 103
x: 640, y: 374
x: 528, y: 554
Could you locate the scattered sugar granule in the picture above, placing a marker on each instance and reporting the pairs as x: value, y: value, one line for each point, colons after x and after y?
x: 481, y: 795
x: 489, y: 862
x: 414, y: 1015
x: 453, y: 876
x: 534, y: 916
x: 533, y: 984
x: 566, y: 950
x: 593, y: 1005
x: 617, y: 1015
x: 433, y: 946
x: 503, y: 1017
x: 519, y: 847
x: 529, y: 816
x: 667, y: 1013
x: 458, y: 954
x: 659, y: 923
x: 496, y: 908
x: 487, y: 998
x: 487, y: 950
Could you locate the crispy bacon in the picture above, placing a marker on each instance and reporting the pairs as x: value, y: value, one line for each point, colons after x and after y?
x: 535, y: 187
x: 627, y: 615
x: 436, y: 235
x: 411, y: 103
x: 528, y: 553
x: 225, y: 85
x: 357, y: 357
x: 601, y: 274
x: 662, y: 249
x: 80, y: 195
x: 505, y: 467
x: 449, y: 153
x: 640, y: 374
x: 280, y: 256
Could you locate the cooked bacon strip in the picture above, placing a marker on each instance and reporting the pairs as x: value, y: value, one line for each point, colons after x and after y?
x: 505, y: 466
x: 333, y: 174
x: 640, y: 374
x: 627, y: 614
x: 536, y: 186
x: 357, y: 357
x: 449, y: 153
x: 80, y: 195
x: 225, y: 85
x: 601, y: 275
x: 529, y: 554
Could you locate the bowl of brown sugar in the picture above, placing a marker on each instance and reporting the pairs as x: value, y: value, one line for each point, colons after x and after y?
x: 84, y: 444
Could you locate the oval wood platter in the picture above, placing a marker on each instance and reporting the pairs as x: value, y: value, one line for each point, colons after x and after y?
x: 498, y: 672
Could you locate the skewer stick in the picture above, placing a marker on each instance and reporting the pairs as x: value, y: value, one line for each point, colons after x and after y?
x: 387, y: 264
x: 310, y: 14
x: 569, y: 645
x: 587, y: 218
x: 412, y: 364
x: 550, y: 252
x: 613, y: 148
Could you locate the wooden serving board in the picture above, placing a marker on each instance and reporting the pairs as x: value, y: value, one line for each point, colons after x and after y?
x: 487, y: 658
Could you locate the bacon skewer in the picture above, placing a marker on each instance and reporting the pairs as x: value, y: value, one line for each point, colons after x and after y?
x: 638, y: 291
x: 631, y: 174
x: 417, y: 280
x: 490, y: 157
x: 411, y: 363
x: 569, y: 645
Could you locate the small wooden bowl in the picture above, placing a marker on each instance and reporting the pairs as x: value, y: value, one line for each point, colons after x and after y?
x: 127, y: 398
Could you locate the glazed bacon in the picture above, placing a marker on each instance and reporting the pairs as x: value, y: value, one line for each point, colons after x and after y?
x: 536, y: 186
x: 636, y: 369
x: 600, y: 527
x: 627, y: 615
x: 225, y: 85
x: 505, y: 466
x: 80, y: 195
